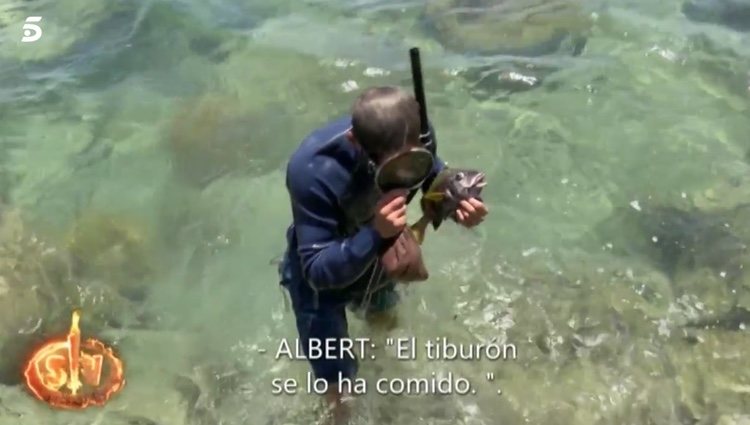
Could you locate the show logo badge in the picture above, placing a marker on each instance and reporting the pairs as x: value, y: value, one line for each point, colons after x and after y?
x: 68, y: 373
x: 31, y: 31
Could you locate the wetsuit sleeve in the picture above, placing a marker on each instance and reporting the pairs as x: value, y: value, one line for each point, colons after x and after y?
x: 328, y: 261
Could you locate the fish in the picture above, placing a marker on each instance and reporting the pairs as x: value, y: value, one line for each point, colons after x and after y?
x: 442, y: 198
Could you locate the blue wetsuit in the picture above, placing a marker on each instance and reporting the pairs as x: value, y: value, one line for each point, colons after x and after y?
x: 332, y: 246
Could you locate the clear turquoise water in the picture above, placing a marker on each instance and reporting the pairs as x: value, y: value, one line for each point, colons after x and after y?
x: 173, y: 121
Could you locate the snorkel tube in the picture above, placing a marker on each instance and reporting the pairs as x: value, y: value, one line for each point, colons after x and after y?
x: 425, y: 135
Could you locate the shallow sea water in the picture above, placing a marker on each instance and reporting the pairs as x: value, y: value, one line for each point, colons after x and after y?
x: 143, y: 146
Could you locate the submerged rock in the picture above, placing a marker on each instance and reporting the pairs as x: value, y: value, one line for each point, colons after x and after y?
x: 41, y: 283
x: 735, y: 319
x: 734, y: 419
x: 726, y: 195
x: 197, y: 377
x: 168, y: 46
x: 713, y: 376
x: 113, y: 249
x: 250, y: 127
x: 214, y: 135
x: 146, y: 38
x: 495, y: 83
x: 34, y: 287
x: 723, y: 73
x: 590, y: 340
x: 62, y: 26
x: 704, y: 254
x: 734, y: 14
x: 508, y: 27
x: 37, y: 293
x: 675, y: 239
x: 206, y: 388
x: 596, y: 340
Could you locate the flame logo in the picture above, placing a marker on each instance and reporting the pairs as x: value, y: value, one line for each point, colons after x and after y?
x: 69, y: 374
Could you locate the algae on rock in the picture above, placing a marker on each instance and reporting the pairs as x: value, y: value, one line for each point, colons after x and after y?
x: 35, y: 286
x: 256, y: 111
x: 508, y: 27
x: 114, y: 249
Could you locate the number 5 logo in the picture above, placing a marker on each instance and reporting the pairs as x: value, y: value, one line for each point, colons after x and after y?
x: 31, y: 32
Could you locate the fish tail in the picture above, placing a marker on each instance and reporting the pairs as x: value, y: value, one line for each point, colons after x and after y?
x: 420, y: 228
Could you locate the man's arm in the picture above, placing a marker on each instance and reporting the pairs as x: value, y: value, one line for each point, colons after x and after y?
x: 328, y: 261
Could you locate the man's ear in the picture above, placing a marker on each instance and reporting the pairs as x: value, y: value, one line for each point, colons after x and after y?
x: 350, y: 137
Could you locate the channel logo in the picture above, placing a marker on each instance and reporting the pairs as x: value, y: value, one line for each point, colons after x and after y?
x: 31, y: 31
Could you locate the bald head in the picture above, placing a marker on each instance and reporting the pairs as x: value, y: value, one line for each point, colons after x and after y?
x: 384, y: 119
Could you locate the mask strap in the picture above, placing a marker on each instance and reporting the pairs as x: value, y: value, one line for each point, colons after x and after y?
x: 426, y: 138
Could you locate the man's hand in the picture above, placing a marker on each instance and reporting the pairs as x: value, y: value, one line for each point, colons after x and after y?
x: 390, y: 214
x: 470, y: 212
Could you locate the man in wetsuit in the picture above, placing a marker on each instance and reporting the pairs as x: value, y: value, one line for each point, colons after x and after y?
x: 341, y: 221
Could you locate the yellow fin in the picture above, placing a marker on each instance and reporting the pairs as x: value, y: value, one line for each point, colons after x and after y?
x: 420, y: 228
x: 433, y: 196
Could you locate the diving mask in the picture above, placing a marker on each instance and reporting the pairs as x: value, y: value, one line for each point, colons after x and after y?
x: 407, y: 169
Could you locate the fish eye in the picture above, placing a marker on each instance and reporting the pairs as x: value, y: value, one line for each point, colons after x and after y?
x: 458, y: 176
